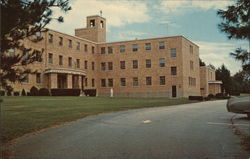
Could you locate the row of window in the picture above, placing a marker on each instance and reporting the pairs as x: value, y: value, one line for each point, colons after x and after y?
x: 134, y: 48
x: 135, y: 65
x: 70, y: 43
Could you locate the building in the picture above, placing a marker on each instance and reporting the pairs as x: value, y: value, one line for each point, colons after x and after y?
x: 156, y: 67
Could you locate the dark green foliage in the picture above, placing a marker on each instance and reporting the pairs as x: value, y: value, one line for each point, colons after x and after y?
x: 235, y: 93
x: 28, y: 94
x: 22, y: 20
x: 9, y: 90
x: 236, y: 24
x: 195, y: 98
x: 23, y: 93
x: 16, y: 93
x: 65, y: 92
x: 33, y: 91
x: 2, y: 93
x: 210, y: 96
x: 222, y: 96
x: 90, y: 92
x: 241, y: 82
x: 223, y: 74
x: 202, y: 63
x: 44, y: 92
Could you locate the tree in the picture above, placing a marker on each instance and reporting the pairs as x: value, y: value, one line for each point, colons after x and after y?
x: 23, y: 19
x: 236, y: 24
x: 223, y: 74
x: 202, y: 63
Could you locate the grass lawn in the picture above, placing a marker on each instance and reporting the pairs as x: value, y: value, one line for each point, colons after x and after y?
x: 21, y: 115
x: 244, y: 95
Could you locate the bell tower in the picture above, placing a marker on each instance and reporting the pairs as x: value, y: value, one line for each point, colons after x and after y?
x: 95, y: 29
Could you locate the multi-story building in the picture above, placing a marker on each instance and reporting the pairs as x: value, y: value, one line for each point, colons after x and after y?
x: 156, y: 67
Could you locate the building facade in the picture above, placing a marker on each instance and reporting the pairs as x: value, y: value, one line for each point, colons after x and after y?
x: 156, y: 67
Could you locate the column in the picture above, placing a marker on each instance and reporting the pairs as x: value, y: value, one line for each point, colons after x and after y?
x: 69, y: 80
x: 53, y: 80
x: 80, y: 81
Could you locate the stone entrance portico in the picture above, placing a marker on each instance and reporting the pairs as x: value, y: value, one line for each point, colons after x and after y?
x: 65, y: 78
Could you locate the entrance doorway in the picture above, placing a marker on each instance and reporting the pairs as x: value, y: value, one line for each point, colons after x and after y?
x: 174, y: 93
x: 61, y: 81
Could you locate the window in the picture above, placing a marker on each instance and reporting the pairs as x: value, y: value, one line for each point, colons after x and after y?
x: 110, y: 66
x: 102, y: 24
x: 70, y: 61
x: 110, y: 82
x: 85, y: 47
x: 103, y: 66
x: 11, y: 52
x: 191, y: 49
x: 86, y: 64
x: 60, y: 60
x: 192, y: 81
x: 191, y: 65
x: 103, y: 50
x: 70, y: 43
x: 148, y: 46
x: 122, y: 48
x: 50, y: 58
x: 148, y: 81
x: 122, y: 65
x: 93, y: 65
x: 110, y: 49
x: 173, y: 71
x: 135, y: 81
x: 103, y: 82
x: 134, y: 47
x: 50, y: 38
x: 38, y: 77
x: 123, y: 82
x: 93, y: 49
x: 86, y: 82
x: 161, y: 45
x: 26, y: 78
x: 38, y: 55
x: 135, y: 64
x: 77, y: 46
x: 77, y: 63
x: 93, y: 82
x: 60, y: 41
x: 148, y: 63
x: 162, y: 62
x: 92, y: 23
x: 26, y: 55
x: 162, y: 80
x: 173, y: 52
x: 38, y: 35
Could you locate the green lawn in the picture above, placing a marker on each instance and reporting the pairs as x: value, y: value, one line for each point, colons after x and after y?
x: 244, y: 95
x: 21, y: 115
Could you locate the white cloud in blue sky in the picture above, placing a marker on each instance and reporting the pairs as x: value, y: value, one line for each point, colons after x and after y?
x: 128, y: 20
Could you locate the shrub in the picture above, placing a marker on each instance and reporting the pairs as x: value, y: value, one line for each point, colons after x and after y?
x: 221, y: 96
x: 235, y: 93
x: 44, y: 92
x: 23, y: 93
x: 33, y: 91
x: 210, y: 96
x: 28, y: 94
x: 90, y: 92
x: 65, y: 92
x: 195, y: 98
x: 16, y: 93
x: 2, y: 93
x: 9, y: 90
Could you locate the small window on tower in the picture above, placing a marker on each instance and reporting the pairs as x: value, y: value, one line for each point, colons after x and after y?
x: 102, y: 24
x: 92, y: 23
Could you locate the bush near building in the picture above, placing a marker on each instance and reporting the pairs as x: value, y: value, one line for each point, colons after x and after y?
x: 65, y: 92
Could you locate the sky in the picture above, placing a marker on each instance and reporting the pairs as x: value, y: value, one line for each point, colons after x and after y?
x: 127, y: 20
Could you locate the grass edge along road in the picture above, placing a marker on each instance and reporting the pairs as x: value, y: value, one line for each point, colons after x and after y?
x: 22, y: 115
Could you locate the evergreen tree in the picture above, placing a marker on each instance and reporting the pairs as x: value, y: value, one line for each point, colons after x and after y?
x: 236, y: 24
x: 223, y: 74
x: 23, y: 19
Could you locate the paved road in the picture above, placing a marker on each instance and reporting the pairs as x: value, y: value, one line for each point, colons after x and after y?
x: 200, y: 130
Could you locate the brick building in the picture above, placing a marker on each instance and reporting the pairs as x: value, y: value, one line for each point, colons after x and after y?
x: 156, y: 67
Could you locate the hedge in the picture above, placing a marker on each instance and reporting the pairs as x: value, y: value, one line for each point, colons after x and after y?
x: 65, y: 92
x: 16, y: 93
x: 90, y: 92
x: 2, y: 93
x: 33, y: 91
x: 44, y: 92
x: 195, y: 98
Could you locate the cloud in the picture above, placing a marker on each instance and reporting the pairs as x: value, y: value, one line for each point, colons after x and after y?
x: 117, y: 13
x: 182, y: 6
x: 130, y: 35
x: 216, y: 53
